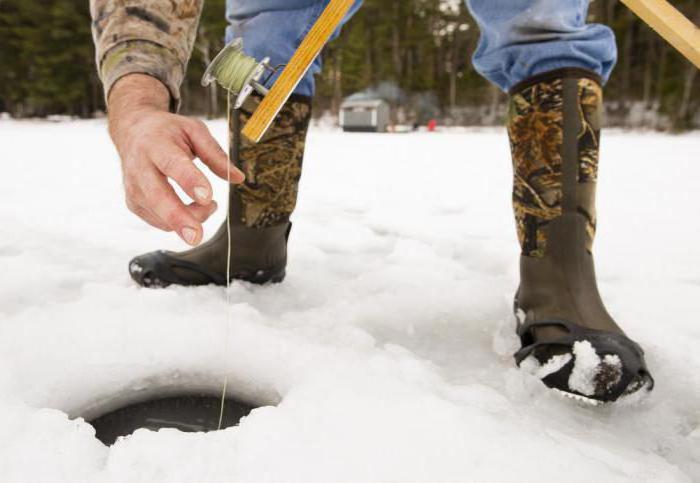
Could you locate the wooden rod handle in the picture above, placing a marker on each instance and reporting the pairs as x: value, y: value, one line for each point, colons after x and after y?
x: 295, y: 69
x: 672, y: 25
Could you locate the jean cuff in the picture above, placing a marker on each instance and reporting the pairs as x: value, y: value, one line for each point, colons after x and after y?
x: 562, y: 73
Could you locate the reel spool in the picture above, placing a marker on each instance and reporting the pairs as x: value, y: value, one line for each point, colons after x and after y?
x: 237, y: 72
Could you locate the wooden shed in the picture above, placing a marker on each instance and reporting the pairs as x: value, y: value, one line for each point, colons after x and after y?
x: 364, y: 115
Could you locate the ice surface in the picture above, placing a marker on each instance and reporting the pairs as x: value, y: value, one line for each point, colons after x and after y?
x: 389, y: 346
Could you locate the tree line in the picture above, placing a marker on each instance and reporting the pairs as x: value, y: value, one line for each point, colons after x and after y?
x: 416, y: 53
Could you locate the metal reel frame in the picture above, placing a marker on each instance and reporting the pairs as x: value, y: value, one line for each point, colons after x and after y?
x: 252, y: 82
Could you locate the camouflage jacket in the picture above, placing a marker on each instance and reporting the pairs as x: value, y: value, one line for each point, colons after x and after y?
x: 153, y: 37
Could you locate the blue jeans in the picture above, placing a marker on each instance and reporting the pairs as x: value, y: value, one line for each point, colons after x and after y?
x: 519, y: 38
x: 275, y: 28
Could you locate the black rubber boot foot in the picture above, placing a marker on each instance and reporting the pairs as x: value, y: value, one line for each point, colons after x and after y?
x: 156, y: 270
x: 589, y: 364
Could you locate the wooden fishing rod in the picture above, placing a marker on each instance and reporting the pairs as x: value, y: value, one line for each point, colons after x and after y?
x: 670, y: 24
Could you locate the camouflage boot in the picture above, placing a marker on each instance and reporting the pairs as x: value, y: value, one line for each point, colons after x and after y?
x: 259, y: 210
x: 568, y: 338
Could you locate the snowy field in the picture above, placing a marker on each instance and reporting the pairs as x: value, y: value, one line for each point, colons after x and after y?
x: 386, y: 354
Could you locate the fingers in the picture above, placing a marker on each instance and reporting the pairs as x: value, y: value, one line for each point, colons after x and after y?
x: 201, y: 213
x: 151, y: 198
x: 136, y: 202
x: 147, y: 215
x: 164, y: 203
x: 160, y: 146
x: 208, y: 150
x: 177, y: 165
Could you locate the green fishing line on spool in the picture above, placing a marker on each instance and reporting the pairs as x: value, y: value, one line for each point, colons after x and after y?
x: 232, y: 68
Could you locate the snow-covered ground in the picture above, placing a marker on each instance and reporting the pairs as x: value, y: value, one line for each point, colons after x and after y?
x: 386, y: 354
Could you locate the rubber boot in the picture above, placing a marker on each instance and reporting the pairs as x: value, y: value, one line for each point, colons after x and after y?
x: 568, y: 338
x: 259, y: 209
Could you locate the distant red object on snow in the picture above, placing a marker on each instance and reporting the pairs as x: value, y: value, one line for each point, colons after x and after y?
x: 432, y: 124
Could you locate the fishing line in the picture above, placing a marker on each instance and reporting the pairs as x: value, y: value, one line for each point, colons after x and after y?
x: 234, y: 140
x: 238, y: 74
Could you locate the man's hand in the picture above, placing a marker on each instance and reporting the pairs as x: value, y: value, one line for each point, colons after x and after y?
x: 154, y: 145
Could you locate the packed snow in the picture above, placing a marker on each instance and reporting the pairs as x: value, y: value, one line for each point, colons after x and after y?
x: 587, y: 367
x: 554, y: 364
x: 385, y: 356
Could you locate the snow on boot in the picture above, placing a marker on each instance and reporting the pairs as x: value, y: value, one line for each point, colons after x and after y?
x: 259, y: 210
x: 568, y: 338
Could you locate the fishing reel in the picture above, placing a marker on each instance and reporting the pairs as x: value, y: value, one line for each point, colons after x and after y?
x: 239, y: 73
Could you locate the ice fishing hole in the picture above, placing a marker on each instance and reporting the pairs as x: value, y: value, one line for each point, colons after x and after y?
x: 189, y: 413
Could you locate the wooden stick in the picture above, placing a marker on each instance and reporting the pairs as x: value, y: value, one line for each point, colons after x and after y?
x: 300, y: 62
x: 672, y: 25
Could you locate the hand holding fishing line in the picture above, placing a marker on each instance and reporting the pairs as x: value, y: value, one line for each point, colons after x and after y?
x: 155, y: 145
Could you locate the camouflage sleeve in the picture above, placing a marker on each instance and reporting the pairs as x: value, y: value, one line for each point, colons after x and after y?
x: 153, y: 37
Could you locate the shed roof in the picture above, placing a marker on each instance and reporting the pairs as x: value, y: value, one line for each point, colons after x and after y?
x: 347, y: 103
